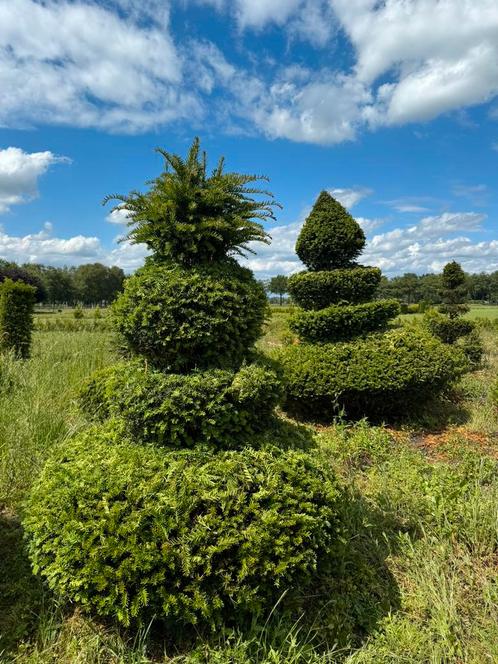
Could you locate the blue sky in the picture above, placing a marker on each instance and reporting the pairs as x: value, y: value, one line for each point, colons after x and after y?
x: 392, y: 106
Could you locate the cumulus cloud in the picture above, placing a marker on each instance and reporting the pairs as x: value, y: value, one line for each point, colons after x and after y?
x: 19, y: 174
x: 82, y: 64
x: 423, y: 247
x: 118, y: 217
x: 350, y: 197
x: 44, y: 247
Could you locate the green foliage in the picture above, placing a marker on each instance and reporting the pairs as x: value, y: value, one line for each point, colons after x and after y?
x: 192, y: 217
x: 380, y: 376
x: 445, y: 328
x: 133, y: 532
x: 454, y: 291
x: 343, y: 322
x: 278, y: 285
x: 216, y: 409
x: 181, y: 319
x: 317, y: 290
x: 330, y: 237
x: 472, y: 347
x: 17, y: 301
x: 78, y: 313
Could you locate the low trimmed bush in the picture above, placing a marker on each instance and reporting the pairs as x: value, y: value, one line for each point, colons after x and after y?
x: 134, y: 532
x: 317, y: 290
x: 343, y: 322
x: 472, y: 347
x: 382, y: 375
x: 214, y: 408
x: 183, y: 319
x: 447, y: 329
x: 17, y: 301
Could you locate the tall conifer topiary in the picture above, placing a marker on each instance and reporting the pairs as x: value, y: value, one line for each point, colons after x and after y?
x: 167, y: 532
x: 17, y: 301
x: 356, y: 366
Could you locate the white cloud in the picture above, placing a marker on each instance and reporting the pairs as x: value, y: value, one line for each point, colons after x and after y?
x: 43, y: 247
x: 19, y: 174
x: 118, y: 217
x: 80, y: 64
x: 350, y: 197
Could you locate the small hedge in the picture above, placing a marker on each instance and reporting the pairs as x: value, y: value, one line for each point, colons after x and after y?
x: 215, y: 408
x: 17, y: 301
x: 382, y: 375
x: 447, y: 329
x: 342, y: 322
x: 182, y: 319
x: 317, y: 290
x: 134, y: 532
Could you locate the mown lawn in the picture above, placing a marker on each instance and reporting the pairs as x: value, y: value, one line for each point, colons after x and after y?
x: 420, y: 580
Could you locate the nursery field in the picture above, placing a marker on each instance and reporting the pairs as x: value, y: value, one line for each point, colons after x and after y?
x: 418, y: 582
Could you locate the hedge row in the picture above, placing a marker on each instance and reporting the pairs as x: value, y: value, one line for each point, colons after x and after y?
x: 135, y: 532
x: 343, y: 322
x: 215, y: 408
x: 381, y: 375
x: 317, y: 290
x: 183, y: 319
x: 17, y: 301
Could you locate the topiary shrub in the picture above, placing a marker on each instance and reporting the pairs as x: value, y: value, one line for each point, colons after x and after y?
x: 317, y: 290
x: 342, y: 322
x: 190, y: 318
x: 330, y: 237
x: 447, y: 329
x: 382, y: 375
x: 217, y: 408
x: 133, y: 532
x: 473, y: 348
x: 17, y: 301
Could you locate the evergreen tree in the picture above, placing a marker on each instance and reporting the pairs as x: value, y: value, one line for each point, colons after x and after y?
x: 454, y: 292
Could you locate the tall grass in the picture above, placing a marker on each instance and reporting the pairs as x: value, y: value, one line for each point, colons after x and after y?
x: 419, y: 581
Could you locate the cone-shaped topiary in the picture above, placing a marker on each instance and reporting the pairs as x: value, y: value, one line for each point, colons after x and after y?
x: 330, y: 237
x: 369, y: 374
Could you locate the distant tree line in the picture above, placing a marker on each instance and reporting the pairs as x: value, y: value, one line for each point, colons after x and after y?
x: 93, y: 283
x: 412, y: 288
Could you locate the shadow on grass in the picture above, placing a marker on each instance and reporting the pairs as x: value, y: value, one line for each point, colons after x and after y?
x: 21, y: 594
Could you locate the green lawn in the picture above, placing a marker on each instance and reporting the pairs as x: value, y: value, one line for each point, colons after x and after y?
x: 420, y: 580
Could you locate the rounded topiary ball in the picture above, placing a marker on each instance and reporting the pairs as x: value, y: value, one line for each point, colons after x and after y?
x: 132, y: 532
x: 330, y: 237
x: 208, y: 316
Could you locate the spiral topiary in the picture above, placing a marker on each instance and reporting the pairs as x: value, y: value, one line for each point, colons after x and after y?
x: 352, y: 370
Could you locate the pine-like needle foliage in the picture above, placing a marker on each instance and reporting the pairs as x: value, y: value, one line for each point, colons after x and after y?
x: 192, y: 217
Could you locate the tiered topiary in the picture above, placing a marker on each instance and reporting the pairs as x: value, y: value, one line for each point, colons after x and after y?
x: 447, y: 323
x: 150, y: 513
x: 356, y: 367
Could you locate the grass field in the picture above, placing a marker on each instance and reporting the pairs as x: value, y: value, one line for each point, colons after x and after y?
x: 421, y: 584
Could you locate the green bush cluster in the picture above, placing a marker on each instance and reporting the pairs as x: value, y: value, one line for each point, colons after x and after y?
x: 17, y: 301
x: 317, y: 290
x: 447, y: 329
x: 135, y: 532
x: 191, y: 318
x: 217, y: 408
x: 343, y: 322
x: 383, y: 375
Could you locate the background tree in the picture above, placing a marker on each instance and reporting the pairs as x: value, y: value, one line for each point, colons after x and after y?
x: 95, y: 283
x: 454, y: 292
x: 278, y: 285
